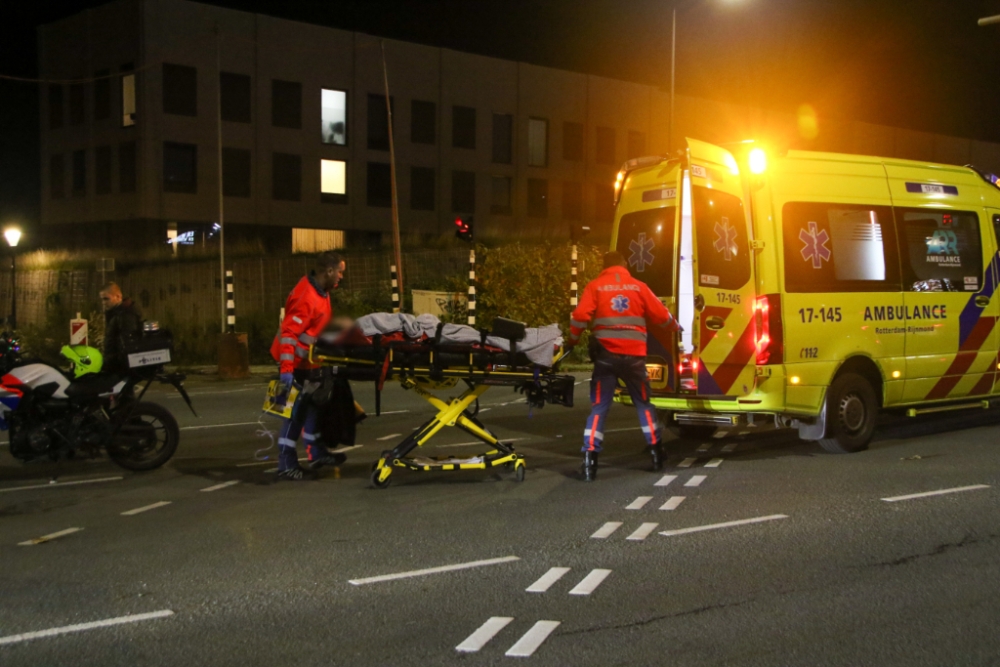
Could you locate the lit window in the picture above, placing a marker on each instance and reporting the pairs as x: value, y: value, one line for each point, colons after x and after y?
x: 316, y: 240
x: 333, y: 181
x: 334, y: 112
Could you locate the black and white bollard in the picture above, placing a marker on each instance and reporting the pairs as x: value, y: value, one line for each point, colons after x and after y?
x: 230, y: 304
x: 472, y: 288
x: 573, y: 289
x: 395, y: 289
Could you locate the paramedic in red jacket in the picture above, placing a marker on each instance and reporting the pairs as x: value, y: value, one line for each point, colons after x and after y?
x: 619, y: 308
x: 307, y: 312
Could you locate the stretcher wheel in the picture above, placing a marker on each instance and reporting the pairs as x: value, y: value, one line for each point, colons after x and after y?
x: 519, y: 469
x: 383, y: 484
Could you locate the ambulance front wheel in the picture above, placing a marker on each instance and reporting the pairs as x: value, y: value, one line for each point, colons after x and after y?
x: 851, y: 411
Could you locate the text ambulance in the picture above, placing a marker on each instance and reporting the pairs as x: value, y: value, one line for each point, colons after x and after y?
x: 814, y: 288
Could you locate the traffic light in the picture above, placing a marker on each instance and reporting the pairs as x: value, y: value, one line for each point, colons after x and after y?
x: 578, y: 231
x: 463, y: 228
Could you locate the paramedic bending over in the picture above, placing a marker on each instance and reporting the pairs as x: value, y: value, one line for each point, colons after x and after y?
x: 307, y: 312
x: 619, y: 308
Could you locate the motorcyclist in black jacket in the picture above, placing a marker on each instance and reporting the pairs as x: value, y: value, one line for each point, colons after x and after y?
x: 122, y: 320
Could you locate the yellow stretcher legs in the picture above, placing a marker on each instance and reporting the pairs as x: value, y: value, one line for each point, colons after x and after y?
x: 451, y: 413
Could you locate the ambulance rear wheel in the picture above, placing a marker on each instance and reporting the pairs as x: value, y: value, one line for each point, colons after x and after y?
x: 851, y: 411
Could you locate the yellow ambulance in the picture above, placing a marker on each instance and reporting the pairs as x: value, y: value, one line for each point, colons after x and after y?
x: 814, y: 289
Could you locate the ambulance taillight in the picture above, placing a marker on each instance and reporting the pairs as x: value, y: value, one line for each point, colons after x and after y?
x: 767, y: 319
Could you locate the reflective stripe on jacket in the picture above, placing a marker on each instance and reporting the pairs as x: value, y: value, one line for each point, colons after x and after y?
x: 620, y: 308
x: 307, y: 312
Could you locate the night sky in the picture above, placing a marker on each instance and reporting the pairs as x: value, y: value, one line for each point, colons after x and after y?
x: 919, y: 64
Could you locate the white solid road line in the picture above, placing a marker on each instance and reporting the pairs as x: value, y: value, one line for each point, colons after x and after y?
x: 686, y: 463
x: 197, y: 428
x: 638, y: 503
x: 432, y: 570
x: 484, y: 634
x: 58, y: 484
x: 642, y: 532
x: 714, y: 463
x: 139, y: 510
x: 590, y: 583
x: 545, y: 582
x: 731, y: 447
x: 49, y: 537
x: 727, y: 524
x: 221, y: 486
x: 66, y: 629
x: 665, y: 480
x: 927, y: 494
x: 673, y: 503
x: 606, y: 530
x: 532, y: 639
x: 696, y: 480
x: 390, y: 436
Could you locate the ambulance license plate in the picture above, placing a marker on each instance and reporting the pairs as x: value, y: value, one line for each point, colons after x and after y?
x: 654, y: 373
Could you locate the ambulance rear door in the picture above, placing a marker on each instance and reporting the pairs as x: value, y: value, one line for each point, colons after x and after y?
x: 723, y: 358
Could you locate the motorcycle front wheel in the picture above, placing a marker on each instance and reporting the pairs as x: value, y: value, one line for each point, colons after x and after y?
x: 147, y: 438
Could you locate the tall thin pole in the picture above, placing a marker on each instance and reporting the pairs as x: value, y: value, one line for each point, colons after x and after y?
x: 673, y: 70
x: 13, y: 288
x: 392, y: 177
x: 218, y: 124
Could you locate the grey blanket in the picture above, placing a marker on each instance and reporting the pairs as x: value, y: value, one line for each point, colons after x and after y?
x: 538, y: 344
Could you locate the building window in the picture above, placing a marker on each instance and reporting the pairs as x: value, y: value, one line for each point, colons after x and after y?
x: 236, y: 171
x: 286, y: 177
x: 79, y: 173
x: 379, y: 185
x: 180, y: 90
x: 55, y: 106
x: 57, y: 176
x: 636, y: 144
x: 236, y: 97
x: 503, y: 138
x: 572, y: 200
x: 423, y: 122
x: 605, y: 145
x: 463, y: 127
x: 286, y: 104
x: 102, y: 170
x: 538, y: 198
x: 378, y: 122
x: 77, y: 104
x: 180, y: 168
x: 500, y: 196
x: 126, y: 166
x: 604, y: 202
x: 538, y: 142
x: 102, y: 94
x: 333, y: 110
x: 422, y: 188
x: 128, y: 97
x: 333, y: 181
x: 573, y: 141
x: 316, y: 240
x: 463, y: 191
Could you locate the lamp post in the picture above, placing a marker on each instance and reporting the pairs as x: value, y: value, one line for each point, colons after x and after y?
x: 989, y: 20
x: 13, y: 236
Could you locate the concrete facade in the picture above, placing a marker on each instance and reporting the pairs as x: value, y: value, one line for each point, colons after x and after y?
x: 145, y: 34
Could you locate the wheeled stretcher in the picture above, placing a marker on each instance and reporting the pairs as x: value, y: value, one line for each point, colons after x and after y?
x: 430, y: 364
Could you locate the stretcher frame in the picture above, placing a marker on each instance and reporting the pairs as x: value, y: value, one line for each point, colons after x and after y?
x: 540, y: 385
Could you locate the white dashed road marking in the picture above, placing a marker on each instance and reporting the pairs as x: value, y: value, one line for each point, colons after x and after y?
x: 221, y: 486
x: 532, y: 639
x: 642, y: 532
x: 484, y: 634
x: 704, y: 447
x: 547, y: 579
x: 673, y: 503
x: 927, y: 494
x: 60, y: 484
x: 731, y: 447
x: 606, y: 530
x: 66, y: 629
x: 714, y: 463
x: 432, y: 570
x: 390, y: 436
x: 590, y: 583
x: 199, y: 428
x: 686, y: 463
x: 696, y: 480
x: 140, y: 510
x: 665, y: 480
x: 638, y: 503
x: 49, y: 537
x: 727, y: 524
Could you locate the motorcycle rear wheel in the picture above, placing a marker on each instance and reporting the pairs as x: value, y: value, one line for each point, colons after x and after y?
x: 147, y: 439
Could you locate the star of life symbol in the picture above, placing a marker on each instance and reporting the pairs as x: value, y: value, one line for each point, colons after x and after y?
x: 642, y: 255
x: 619, y: 303
x: 814, y: 245
x: 725, y: 239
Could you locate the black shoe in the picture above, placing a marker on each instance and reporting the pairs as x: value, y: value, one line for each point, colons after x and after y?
x: 590, y: 466
x: 296, y: 474
x: 326, y: 459
x: 656, y: 451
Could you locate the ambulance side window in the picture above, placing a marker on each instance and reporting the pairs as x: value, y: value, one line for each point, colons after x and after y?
x: 723, y: 248
x: 839, y: 248
x: 942, y: 250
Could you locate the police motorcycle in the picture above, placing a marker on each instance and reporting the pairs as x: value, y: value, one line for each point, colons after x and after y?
x: 52, y: 414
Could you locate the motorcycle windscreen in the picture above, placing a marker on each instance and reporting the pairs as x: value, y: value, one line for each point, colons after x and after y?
x: 647, y: 237
x: 725, y: 334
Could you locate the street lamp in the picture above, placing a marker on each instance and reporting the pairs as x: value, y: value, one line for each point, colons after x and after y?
x: 13, y: 236
x: 989, y: 20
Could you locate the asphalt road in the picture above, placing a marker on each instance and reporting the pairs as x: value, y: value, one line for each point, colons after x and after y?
x: 237, y: 569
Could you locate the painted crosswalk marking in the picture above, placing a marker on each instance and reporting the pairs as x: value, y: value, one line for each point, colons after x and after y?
x: 731, y: 447
x: 484, y: 634
x: 673, y: 503
x: 704, y: 447
x: 696, y: 480
x: 665, y: 480
x: 686, y: 463
x: 642, y: 532
x: 532, y: 639
x: 545, y: 582
x: 590, y: 583
x: 714, y: 463
x: 638, y: 503
x: 606, y: 530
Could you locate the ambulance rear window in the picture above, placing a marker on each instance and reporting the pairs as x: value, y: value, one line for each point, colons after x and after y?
x: 943, y: 250
x: 723, y: 248
x: 646, y: 239
x: 839, y: 248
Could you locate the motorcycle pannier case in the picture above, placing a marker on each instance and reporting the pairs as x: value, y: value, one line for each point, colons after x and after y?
x: 151, y: 348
